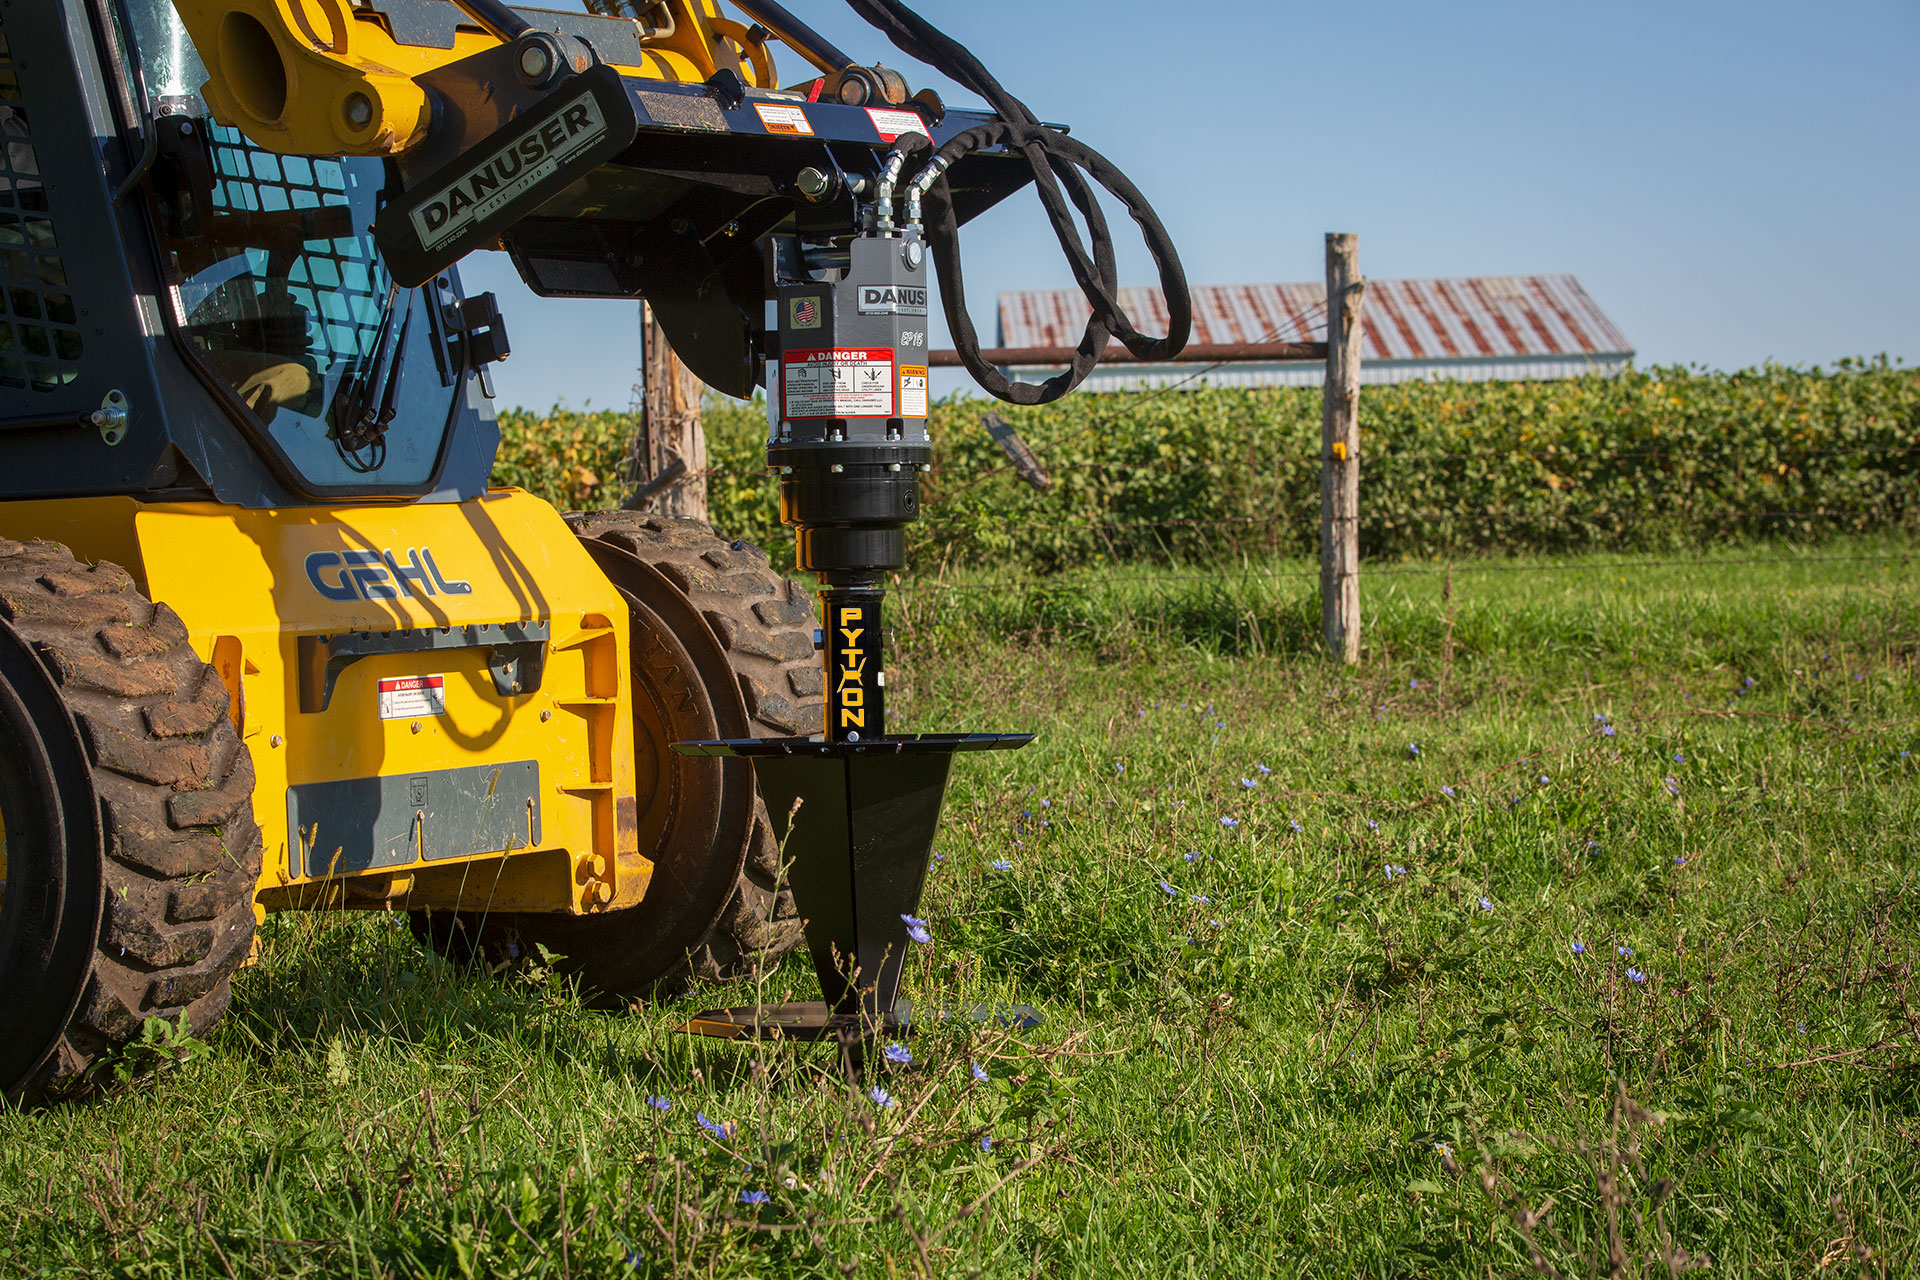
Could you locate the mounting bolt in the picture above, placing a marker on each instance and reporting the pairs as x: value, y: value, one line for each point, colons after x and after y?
x: 837, y: 468
x: 111, y: 417
x: 415, y: 727
x: 813, y: 184
x: 275, y: 740
x: 357, y: 110
x: 545, y: 716
x: 538, y: 60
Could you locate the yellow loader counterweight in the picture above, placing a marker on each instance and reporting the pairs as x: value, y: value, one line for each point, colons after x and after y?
x: 268, y: 638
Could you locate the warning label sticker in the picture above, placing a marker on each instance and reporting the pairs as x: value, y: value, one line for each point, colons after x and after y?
x: 783, y: 119
x: 409, y: 697
x: 840, y: 382
x: 913, y: 391
x: 892, y: 124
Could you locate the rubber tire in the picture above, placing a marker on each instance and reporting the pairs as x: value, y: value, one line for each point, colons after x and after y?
x: 764, y: 625
x: 158, y: 816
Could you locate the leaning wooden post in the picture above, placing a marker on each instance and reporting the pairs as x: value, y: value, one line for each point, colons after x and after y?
x: 672, y: 445
x: 1340, y: 452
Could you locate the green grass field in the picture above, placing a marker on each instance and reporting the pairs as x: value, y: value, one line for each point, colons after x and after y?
x: 1573, y: 932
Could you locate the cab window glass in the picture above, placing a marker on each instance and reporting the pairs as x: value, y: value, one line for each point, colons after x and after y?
x: 280, y: 290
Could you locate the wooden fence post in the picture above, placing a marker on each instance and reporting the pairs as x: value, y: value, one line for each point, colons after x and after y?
x: 1340, y: 452
x: 671, y: 466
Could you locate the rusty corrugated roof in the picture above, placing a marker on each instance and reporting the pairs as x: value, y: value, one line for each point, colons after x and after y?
x: 1462, y: 318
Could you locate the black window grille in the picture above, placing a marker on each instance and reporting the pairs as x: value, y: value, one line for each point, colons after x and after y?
x: 39, y: 325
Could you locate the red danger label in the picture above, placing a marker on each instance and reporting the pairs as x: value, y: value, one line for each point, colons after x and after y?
x: 838, y: 382
x: 404, y: 697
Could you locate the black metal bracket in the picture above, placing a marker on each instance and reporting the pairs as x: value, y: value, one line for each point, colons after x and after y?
x: 516, y: 655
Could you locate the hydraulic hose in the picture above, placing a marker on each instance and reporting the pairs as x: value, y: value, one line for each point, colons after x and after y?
x: 1057, y: 161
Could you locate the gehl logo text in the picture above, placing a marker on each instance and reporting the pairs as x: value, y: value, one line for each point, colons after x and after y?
x: 380, y: 575
x: 850, y: 687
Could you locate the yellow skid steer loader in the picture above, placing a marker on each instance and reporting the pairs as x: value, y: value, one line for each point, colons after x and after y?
x: 269, y: 640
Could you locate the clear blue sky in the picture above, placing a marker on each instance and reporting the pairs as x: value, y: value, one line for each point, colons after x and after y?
x: 1734, y: 182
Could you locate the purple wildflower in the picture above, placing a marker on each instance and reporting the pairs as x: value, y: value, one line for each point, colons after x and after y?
x: 979, y: 1073
x: 1193, y: 855
x: 1001, y: 864
x: 881, y: 1098
x: 1636, y: 975
x: 1577, y: 947
x: 1229, y: 823
x: 1413, y: 749
x: 1168, y: 889
x: 898, y: 1054
x: 660, y: 1102
x: 917, y: 928
x: 986, y: 1142
x: 754, y: 1197
x: 1249, y: 783
x: 720, y: 1131
x: 1486, y: 904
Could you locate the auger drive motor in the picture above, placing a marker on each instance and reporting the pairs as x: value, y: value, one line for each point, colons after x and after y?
x: 269, y: 641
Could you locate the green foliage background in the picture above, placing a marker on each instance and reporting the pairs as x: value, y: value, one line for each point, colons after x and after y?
x: 1649, y: 459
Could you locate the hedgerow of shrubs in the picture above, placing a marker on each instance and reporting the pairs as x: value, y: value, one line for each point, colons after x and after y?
x: 1656, y: 458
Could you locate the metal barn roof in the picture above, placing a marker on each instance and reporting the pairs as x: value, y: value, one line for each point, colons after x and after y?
x: 1472, y: 328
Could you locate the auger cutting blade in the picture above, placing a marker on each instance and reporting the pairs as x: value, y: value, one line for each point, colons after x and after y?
x: 856, y: 850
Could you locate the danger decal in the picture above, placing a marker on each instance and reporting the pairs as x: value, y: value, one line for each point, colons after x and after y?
x: 891, y: 124
x: 412, y: 697
x: 838, y: 382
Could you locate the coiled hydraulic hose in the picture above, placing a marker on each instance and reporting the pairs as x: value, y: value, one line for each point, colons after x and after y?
x: 1057, y: 161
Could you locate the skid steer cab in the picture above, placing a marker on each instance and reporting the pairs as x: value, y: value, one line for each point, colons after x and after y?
x: 268, y: 639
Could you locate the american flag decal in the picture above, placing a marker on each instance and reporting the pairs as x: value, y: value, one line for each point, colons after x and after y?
x: 806, y: 313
